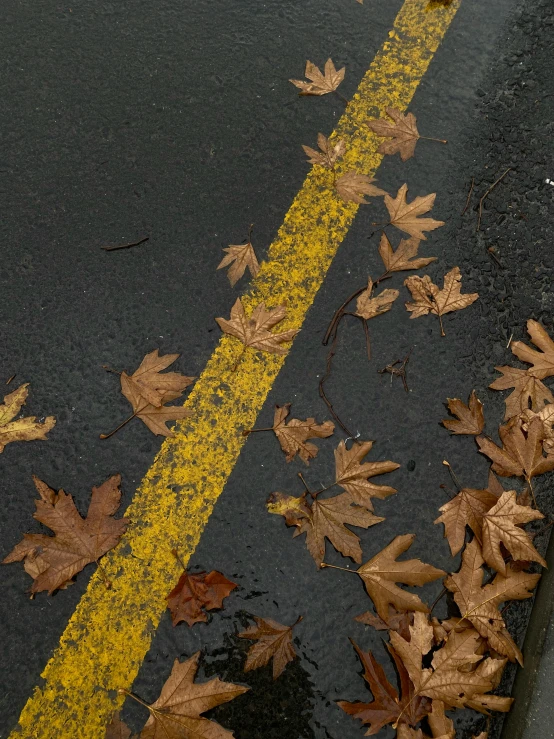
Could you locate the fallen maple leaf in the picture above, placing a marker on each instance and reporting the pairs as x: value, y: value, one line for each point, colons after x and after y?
x: 353, y: 476
x: 329, y: 154
x: 254, y: 331
x: 76, y: 542
x: 196, y: 592
x: 22, y: 429
x: 403, y: 132
x: 319, y: 83
x: 428, y: 298
x: 240, y: 256
x: 546, y: 415
x: 405, y: 216
x: 543, y: 360
x: 177, y: 712
x: 529, y: 392
x: 368, y: 307
x: 397, y: 621
x: 470, y: 417
x: 353, y: 186
x: 272, y: 640
x: 404, y: 258
x: 117, y: 729
x: 465, y: 509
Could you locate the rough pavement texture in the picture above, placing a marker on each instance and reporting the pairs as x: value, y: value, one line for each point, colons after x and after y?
x: 152, y: 138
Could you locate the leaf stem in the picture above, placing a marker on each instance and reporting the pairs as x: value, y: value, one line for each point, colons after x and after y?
x: 126, y: 421
x: 430, y: 138
x: 341, y: 97
x: 455, y: 480
x: 301, y: 476
x: 122, y: 691
x: 177, y: 556
x: 255, y: 431
x: 334, y: 567
x: 532, y: 491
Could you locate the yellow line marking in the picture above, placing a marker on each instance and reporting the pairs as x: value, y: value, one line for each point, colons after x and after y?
x: 108, y: 636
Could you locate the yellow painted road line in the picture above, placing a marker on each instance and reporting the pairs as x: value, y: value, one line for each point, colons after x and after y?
x: 110, y: 632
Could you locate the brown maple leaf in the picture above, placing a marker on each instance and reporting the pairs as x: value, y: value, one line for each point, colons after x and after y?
x: 329, y: 154
x: 176, y: 714
x: 502, y: 526
x: 193, y: 593
x: 546, y: 415
x: 529, y: 392
x: 272, y: 640
x: 22, y: 429
x: 255, y: 331
x: 470, y: 417
x: 353, y: 186
x: 387, y: 705
x: 77, y: 541
x: 353, y: 476
x: 403, y: 132
x: 325, y: 519
x: 543, y: 360
x: 240, y: 256
x: 465, y: 509
x: 405, y: 256
x: 117, y: 729
x: 320, y: 83
x: 479, y: 604
x: 405, y: 216
x: 368, y: 307
x: 429, y: 298
x: 293, y: 436
x: 397, y: 621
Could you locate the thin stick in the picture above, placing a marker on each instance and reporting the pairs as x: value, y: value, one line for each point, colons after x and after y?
x: 322, y: 381
x: 334, y: 567
x: 469, y: 196
x: 441, y: 595
x: 109, y: 369
x: 452, y: 475
x: 125, y: 246
x: 492, y: 252
x: 338, y: 313
x: 9, y: 380
x: 367, y: 342
x: 491, y: 188
x: 107, y: 436
x: 430, y: 138
x: 250, y: 233
x: 510, y: 340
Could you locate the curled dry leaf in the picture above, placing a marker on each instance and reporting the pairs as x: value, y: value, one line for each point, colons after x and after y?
x: 465, y: 509
x: 429, y: 298
x: 273, y: 640
x: 542, y: 361
x: 320, y: 83
x: 353, y: 186
x: 470, y: 417
x: 405, y: 216
x: 528, y: 391
x: 353, y: 475
x: 441, y: 726
x: 547, y: 418
x: 329, y: 154
x: 293, y: 436
x: 55, y: 560
x: 405, y: 256
x: 368, y: 307
x: 239, y: 257
x: 255, y: 331
x: 397, y: 621
x: 193, y: 593
x: 22, y: 429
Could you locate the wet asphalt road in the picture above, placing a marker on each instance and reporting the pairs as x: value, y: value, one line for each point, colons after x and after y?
x: 176, y: 120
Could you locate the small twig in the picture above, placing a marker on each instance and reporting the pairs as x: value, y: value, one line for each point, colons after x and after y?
x: 325, y: 377
x: 126, y: 421
x: 338, y: 314
x: 367, y: 341
x: 469, y: 196
x: 9, y: 380
x: 398, y: 371
x: 491, y: 188
x: 441, y: 595
x: 492, y: 252
x: 510, y: 340
x: 109, y: 369
x: 125, y: 246
x: 455, y: 480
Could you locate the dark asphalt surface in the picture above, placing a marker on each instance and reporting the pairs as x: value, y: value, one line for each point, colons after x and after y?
x: 176, y: 120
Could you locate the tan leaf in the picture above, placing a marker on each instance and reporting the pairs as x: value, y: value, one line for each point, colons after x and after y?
x: 240, y: 256
x: 329, y: 154
x: 154, y: 417
x: 293, y: 509
x: 381, y: 573
x: 255, y: 331
x: 546, y: 415
x: 117, y: 729
x: 441, y: 726
x: 529, y: 392
x: 466, y: 509
x: 272, y: 640
x: 77, y: 541
x: 405, y: 216
x: 150, y: 385
x: 403, y: 132
x: 405, y: 256
x: 193, y: 593
x: 368, y: 307
x: 429, y: 298
x: 501, y: 525
x: 471, y: 418
x: 293, y: 436
x: 397, y: 621
x: 354, y: 476
x: 543, y: 360
x: 22, y: 429
x: 320, y: 83
x: 352, y: 187
x: 177, y: 712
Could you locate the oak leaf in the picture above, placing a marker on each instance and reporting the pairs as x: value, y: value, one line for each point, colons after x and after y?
x: 22, y: 429
x: 502, y: 526
x: 273, y: 640
x: 405, y: 257
x: 470, y: 417
x: 429, y: 298
x: 117, y: 729
x: 293, y: 436
x: 77, y: 541
x: 255, y: 331
x: 329, y: 154
x: 320, y: 83
x: 465, y: 509
x: 528, y: 391
x: 239, y: 257
x: 405, y: 216
x: 176, y: 714
x: 543, y: 360
x: 353, y: 476
x: 403, y: 132
x: 368, y: 307
x: 193, y: 593
x: 353, y: 186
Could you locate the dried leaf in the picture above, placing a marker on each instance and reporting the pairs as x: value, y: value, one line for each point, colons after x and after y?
x: 177, y: 712
x: 501, y: 526
x: 293, y: 436
x: 255, y: 331
x: 441, y: 726
x: 429, y: 298
x: 353, y: 476
x: 320, y: 83
x: 329, y: 154
x: 22, y: 429
x: 117, y: 729
x: 405, y: 256
x: 382, y: 572
x: 239, y: 256
x: 529, y: 392
x: 405, y: 216
x: 543, y: 360
x: 471, y: 418
x: 352, y: 187
x: 149, y: 385
x: 547, y: 418
x: 368, y: 307
x: 397, y: 621
x: 77, y: 541
x: 273, y: 640
x: 403, y: 132
x: 466, y: 509
x: 196, y: 592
